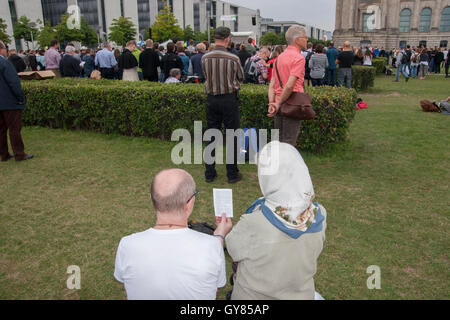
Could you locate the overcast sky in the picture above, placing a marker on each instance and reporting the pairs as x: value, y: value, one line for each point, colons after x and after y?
x: 320, y: 13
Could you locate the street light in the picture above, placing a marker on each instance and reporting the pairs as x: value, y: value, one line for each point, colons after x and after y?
x: 31, y: 25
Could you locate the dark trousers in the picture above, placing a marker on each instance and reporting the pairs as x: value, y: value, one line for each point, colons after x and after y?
x: 11, y: 120
x: 437, y: 68
x: 446, y: 69
x: 289, y: 129
x: 332, y: 73
x: 107, y: 73
x: 223, y: 109
x: 317, y: 82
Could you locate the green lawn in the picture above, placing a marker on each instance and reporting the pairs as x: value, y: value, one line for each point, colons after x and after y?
x: 385, y: 190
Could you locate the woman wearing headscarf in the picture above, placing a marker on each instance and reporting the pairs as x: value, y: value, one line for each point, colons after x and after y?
x: 278, y: 241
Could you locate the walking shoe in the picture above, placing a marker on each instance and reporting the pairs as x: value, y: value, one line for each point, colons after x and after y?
x: 237, y: 179
x: 406, y: 79
x: 395, y: 81
x: 9, y: 157
x: 209, y: 180
x: 27, y: 157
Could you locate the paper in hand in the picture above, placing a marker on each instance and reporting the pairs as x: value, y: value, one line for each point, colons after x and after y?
x: 223, y: 202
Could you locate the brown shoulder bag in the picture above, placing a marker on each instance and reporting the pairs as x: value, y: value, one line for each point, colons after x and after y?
x: 299, y: 104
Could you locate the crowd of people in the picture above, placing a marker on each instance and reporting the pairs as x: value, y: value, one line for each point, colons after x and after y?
x: 154, y: 62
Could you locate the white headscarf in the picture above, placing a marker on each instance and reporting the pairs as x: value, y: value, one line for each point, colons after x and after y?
x: 286, y: 185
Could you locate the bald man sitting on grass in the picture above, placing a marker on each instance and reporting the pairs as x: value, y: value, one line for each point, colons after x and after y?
x: 170, y: 261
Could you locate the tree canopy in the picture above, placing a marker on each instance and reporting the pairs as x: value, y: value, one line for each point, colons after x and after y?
x: 86, y: 34
x: 122, y: 31
x: 23, y: 30
x: 166, y: 26
x: 3, y: 34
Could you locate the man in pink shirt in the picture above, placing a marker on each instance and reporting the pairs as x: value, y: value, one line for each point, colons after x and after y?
x: 291, y: 67
x: 52, y: 58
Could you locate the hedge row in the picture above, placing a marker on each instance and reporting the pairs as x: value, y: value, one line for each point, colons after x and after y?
x: 363, y: 77
x: 155, y: 110
x: 379, y: 64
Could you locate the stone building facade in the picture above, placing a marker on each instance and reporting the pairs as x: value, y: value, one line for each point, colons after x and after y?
x: 393, y: 23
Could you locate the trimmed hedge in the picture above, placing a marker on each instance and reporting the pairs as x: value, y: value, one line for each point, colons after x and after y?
x: 363, y: 77
x: 155, y: 110
x: 379, y: 64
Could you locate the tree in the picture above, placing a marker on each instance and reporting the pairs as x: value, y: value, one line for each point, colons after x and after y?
x: 23, y: 30
x: 188, y: 33
x: 46, y: 34
x: 270, y: 39
x: 3, y: 35
x: 85, y: 34
x: 122, y: 31
x: 166, y: 26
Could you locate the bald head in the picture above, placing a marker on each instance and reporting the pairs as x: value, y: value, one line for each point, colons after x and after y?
x: 171, y: 190
x: 347, y: 44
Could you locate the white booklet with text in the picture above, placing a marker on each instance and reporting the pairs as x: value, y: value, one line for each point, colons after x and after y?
x: 223, y: 202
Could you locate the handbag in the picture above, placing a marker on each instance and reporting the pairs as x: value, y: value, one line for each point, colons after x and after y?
x: 298, y: 105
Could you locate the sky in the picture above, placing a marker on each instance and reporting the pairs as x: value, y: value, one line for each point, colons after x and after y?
x: 319, y: 13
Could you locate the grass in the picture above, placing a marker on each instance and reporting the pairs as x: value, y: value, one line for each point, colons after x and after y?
x: 385, y: 190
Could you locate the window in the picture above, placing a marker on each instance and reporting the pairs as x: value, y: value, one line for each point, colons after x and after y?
x: 405, y: 20
x: 143, y: 15
x: 12, y: 11
x: 89, y: 11
x: 425, y: 20
x: 53, y: 9
x: 365, y: 43
x: 423, y: 43
x: 445, y: 20
x: 368, y: 22
x: 163, y: 3
x: 102, y: 3
x: 196, y: 16
x: 402, y: 44
x: 234, y: 10
x: 121, y: 8
x: 443, y: 44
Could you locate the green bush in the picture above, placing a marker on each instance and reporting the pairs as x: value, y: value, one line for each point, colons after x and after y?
x: 379, y: 64
x: 363, y: 77
x: 155, y: 110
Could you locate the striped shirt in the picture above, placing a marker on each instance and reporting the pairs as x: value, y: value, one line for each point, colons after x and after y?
x: 223, y: 72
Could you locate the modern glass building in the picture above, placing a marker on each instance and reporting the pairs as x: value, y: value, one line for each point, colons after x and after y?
x: 198, y: 14
x: 52, y: 10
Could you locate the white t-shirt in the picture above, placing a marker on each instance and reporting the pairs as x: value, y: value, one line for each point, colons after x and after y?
x: 179, y: 264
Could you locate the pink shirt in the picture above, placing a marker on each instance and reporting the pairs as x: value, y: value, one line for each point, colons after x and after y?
x: 52, y: 58
x: 290, y: 63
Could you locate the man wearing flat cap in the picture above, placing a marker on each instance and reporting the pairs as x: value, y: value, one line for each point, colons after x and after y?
x: 223, y: 73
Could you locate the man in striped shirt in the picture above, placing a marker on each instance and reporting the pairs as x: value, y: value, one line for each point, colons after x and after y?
x: 223, y: 73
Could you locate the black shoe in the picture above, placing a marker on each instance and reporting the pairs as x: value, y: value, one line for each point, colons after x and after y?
x: 9, y: 157
x: 209, y: 180
x: 27, y: 157
x: 406, y: 79
x: 237, y: 179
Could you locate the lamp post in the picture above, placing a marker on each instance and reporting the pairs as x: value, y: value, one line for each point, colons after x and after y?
x: 31, y: 25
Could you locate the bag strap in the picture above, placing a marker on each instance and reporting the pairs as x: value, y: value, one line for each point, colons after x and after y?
x: 278, y: 74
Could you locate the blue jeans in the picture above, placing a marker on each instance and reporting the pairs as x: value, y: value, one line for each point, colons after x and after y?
x: 414, y: 71
x: 331, y: 77
x: 401, y: 69
x: 432, y: 65
x: 345, y: 77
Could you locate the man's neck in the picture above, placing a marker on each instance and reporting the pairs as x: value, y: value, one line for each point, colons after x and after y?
x: 170, y: 221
